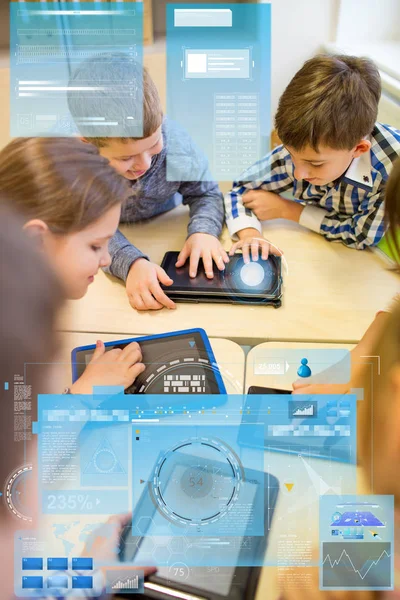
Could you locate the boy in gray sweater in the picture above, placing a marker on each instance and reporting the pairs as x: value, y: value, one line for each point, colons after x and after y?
x: 143, y: 161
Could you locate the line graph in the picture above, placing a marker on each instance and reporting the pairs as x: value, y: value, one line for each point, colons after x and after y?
x: 306, y: 411
x: 366, y: 566
x: 302, y: 409
x: 357, y: 565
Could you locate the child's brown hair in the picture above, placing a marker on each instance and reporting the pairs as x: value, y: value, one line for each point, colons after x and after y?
x: 124, y: 95
x: 332, y: 101
x: 62, y: 181
x: 31, y: 297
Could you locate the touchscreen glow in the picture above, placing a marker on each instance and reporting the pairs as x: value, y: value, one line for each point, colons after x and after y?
x: 252, y: 274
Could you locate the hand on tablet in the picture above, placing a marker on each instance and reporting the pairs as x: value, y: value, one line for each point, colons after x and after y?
x: 143, y: 287
x: 115, y: 367
x: 104, y: 543
x: 252, y: 243
x: 204, y: 246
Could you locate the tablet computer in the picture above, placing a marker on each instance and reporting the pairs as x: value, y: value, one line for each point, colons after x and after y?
x: 232, y: 574
x: 179, y: 362
x: 256, y: 389
x: 257, y: 282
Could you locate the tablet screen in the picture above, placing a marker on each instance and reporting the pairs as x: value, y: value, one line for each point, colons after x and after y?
x: 259, y: 278
x: 175, y: 364
x: 210, y: 579
x: 217, y: 565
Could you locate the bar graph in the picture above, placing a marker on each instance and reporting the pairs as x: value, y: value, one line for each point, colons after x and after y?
x: 126, y: 584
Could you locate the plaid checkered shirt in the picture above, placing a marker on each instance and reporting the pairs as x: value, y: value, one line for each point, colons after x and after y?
x: 349, y: 210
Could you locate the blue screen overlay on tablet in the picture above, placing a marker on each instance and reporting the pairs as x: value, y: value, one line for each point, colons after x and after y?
x: 196, y: 479
x: 179, y: 362
x: 234, y: 548
x: 184, y: 469
x: 321, y: 426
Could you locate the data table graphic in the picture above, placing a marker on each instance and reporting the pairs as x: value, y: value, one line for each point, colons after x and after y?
x: 218, y: 88
x: 49, y: 41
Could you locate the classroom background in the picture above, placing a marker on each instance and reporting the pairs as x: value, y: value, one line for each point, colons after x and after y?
x: 300, y: 29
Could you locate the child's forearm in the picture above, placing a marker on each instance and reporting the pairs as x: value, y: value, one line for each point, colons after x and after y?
x: 206, y: 212
x: 291, y: 210
x: 123, y: 255
x: 248, y: 232
x: 366, y: 345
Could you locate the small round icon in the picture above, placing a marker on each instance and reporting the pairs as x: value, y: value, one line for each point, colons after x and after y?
x: 178, y: 571
x: 252, y: 274
x: 304, y: 370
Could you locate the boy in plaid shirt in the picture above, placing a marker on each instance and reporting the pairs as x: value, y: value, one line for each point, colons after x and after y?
x: 334, y: 158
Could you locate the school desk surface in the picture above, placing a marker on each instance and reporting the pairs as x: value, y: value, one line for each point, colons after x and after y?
x: 331, y: 293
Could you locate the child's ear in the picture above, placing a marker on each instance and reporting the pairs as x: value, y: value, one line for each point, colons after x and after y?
x: 362, y: 147
x: 36, y: 229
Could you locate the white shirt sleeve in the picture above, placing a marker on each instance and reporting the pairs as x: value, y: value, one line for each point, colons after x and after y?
x: 312, y: 217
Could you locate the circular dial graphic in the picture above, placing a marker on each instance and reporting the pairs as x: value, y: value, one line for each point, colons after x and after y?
x: 104, y: 460
x: 16, y: 492
x: 196, y: 482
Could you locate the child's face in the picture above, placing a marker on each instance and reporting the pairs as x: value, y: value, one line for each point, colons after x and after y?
x: 326, y: 165
x: 132, y: 158
x: 78, y: 256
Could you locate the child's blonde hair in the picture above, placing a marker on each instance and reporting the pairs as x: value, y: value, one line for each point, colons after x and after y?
x: 62, y: 181
x: 117, y: 74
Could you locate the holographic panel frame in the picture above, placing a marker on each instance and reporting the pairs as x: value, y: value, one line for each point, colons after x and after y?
x: 218, y: 90
x: 50, y: 42
x: 357, y: 542
x: 196, y: 480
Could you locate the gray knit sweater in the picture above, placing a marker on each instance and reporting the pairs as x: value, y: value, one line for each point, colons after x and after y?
x: 153, y: 194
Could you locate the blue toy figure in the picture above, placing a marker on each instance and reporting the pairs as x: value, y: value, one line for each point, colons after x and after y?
x: 304, y: 370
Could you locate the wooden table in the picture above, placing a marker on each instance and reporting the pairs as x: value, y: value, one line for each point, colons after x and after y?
x: 331, y: 292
